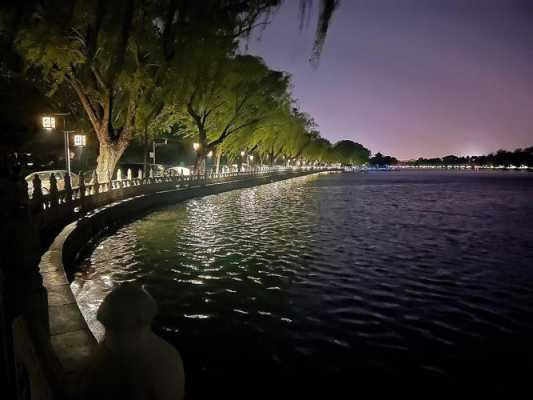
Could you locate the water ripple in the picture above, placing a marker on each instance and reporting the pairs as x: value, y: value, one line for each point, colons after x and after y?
x: 385, y: 270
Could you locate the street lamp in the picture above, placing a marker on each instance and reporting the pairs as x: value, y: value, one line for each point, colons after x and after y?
x: 196, y: 146
x: 80, y: 141
x: 49, y: 123
x: 251, y: 158
x: 154, y: 144
x: 242, y: 159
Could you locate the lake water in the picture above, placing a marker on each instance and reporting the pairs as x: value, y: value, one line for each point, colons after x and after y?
x: 386, y: 281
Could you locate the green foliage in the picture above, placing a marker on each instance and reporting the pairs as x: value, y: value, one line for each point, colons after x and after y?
x: 156, y: 67
x: 230, y: 96
x: 348, y: 152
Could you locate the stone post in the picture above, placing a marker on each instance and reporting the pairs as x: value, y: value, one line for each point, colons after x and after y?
x: 119, y: 178
x: 109, y: 182
x: 131, y: 361
x: 82, y: 190
x: 53, y: 190
x: 37, y: 196
x: 68, y: 188
x: 96, y: 184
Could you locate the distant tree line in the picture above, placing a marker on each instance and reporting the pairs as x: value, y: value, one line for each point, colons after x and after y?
x: 516, y: 158
x: 380, y: 160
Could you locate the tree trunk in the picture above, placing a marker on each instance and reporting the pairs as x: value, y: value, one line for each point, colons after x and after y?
x: 108, y: 156
x: 201, y: 154
x: 199, y: 164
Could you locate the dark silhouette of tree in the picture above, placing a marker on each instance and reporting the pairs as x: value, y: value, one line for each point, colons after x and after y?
x: 379, y: 160
x: 502, y: 158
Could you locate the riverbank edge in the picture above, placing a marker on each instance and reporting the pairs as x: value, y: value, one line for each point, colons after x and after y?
x: 71, y: 340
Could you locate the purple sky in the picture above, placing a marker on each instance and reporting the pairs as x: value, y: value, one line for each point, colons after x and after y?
x: 413, y: 78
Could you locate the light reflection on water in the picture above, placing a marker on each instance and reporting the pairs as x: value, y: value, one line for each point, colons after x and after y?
x: 404, y: 274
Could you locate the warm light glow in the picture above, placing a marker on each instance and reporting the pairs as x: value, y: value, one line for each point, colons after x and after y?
x: 49, y: 122
x: 210, y: 154
x: 242, y: 153
x: 80, y: 140
x: 251, y: 158
x: 196, y: 146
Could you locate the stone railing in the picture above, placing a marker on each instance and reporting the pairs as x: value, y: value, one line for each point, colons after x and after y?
x: 51, y: 338
x: 57, y: 207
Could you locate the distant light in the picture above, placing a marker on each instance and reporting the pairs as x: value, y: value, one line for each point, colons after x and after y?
x: 210, y: 154
x: 196, y: 146
x: 242, y: 153
x: 49, y: 122
x: 251, y: 158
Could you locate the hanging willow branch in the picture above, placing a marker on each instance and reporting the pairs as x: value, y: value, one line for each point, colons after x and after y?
x: 327, y: 8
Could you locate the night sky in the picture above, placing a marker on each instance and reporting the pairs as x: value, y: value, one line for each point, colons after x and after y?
x: 413, y: 78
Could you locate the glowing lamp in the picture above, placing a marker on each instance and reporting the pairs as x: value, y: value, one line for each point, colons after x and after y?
x: 49, y: 122
x: 80, y: 140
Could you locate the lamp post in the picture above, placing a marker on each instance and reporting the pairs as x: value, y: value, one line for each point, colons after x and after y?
x: 154, y: 145
x: 80, y: 141
x: 209, y: 156
x: 241, y: 161
x: 49, y: 123
x: 196, y: 147
x: 251, y: 159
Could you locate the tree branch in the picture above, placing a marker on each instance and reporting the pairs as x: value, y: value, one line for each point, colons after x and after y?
x: 89, y: 110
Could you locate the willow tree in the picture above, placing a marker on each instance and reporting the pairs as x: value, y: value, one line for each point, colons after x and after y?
x: 349, y: 152
x: 317, y: 150
x: 230, y: 96
x: 100, y: 51
x: 302, y: 129
x: 114, y: 55
x: 266, y: 139
x: 286, y: 133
